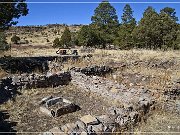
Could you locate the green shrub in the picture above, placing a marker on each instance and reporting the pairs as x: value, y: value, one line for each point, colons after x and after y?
x: 15, y: 39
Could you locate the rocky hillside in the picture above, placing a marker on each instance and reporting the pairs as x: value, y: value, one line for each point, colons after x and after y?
x: 39, y: 35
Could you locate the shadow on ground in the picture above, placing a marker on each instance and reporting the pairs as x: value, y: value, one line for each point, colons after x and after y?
x: 6, y: 126
x: 7, y: 90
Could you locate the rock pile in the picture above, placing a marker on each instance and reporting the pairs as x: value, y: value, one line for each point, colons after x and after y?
x: 24, y: 64
x: 135, y: 98
x: 174, y: 91
x: 89, y: 124
x: 136, y: 103
x: 94, y: 70
x: 9, y: 85
x: 28, y: 81
x: 172, y: 96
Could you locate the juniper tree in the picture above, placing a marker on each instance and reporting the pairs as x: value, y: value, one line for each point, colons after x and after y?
x: 66, y: 38
x: 10, y: 11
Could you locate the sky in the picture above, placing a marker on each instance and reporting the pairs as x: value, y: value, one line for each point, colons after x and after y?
x: 80, y: 13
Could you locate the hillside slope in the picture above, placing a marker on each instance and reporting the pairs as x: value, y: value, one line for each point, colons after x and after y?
x: 39, y: 35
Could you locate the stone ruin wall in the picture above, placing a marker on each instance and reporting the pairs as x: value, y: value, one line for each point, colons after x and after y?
x: 135, y: 103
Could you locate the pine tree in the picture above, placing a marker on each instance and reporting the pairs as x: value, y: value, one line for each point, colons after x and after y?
x: 146, y: 34
x: 56, y: 43
x: 89, y: 37
x: 127, y: 17
x: 9, y: 11
x: 171, y: 12
x: 66, y: 38
x: 105, y: 21
x: 15, y: 39
x: 169, y: 29
x: 156, y: 30
x: 125, y: 39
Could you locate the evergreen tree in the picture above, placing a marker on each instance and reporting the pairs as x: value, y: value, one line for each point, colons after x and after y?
x: 56, y: 43
x: 105, y: 21
x: 125, y: 39
x: 89, y: 37
x: 66, y: 38
x: 105, y: 15
x: 146, y: 34
x: 15, y: 39
x: 177, y: 42
x: 127, y: 17
x: 171, y: 12
x: 156, y: 30
x: 9, y: 11
x: 169, y: 29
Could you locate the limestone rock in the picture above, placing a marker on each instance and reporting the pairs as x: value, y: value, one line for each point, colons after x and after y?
x: 89, y: 119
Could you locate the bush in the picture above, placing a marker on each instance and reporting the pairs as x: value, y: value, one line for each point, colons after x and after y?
x: 15, y: 39
x: 3, y: 44
x: 56, y: 42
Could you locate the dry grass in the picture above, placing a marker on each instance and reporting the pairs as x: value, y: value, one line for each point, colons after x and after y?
x: 39, y: 37
x: 159, y: 79
x: 25, y: 109
x: 2, y: 73
x: 160, y: 123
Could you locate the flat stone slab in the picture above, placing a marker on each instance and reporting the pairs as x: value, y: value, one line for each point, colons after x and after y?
x: 57, y: 106
x: 89, y: 119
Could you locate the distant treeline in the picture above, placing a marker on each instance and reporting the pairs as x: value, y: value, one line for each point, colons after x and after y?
x: 153, y: 31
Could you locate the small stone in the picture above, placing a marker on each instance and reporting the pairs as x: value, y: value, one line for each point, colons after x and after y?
x: 114, y: 90
x: 103, y: 118
x: 97, y: 128
x: 133, y: 114
x: 53, y: 101
x: 56, y: 131
x: 47, y: 133
x: 43, y: 101
x: 45, y: 111
x: 89, y: 119
x: 80, y: 124
x: 131, y: 84
x: 68, y: 128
